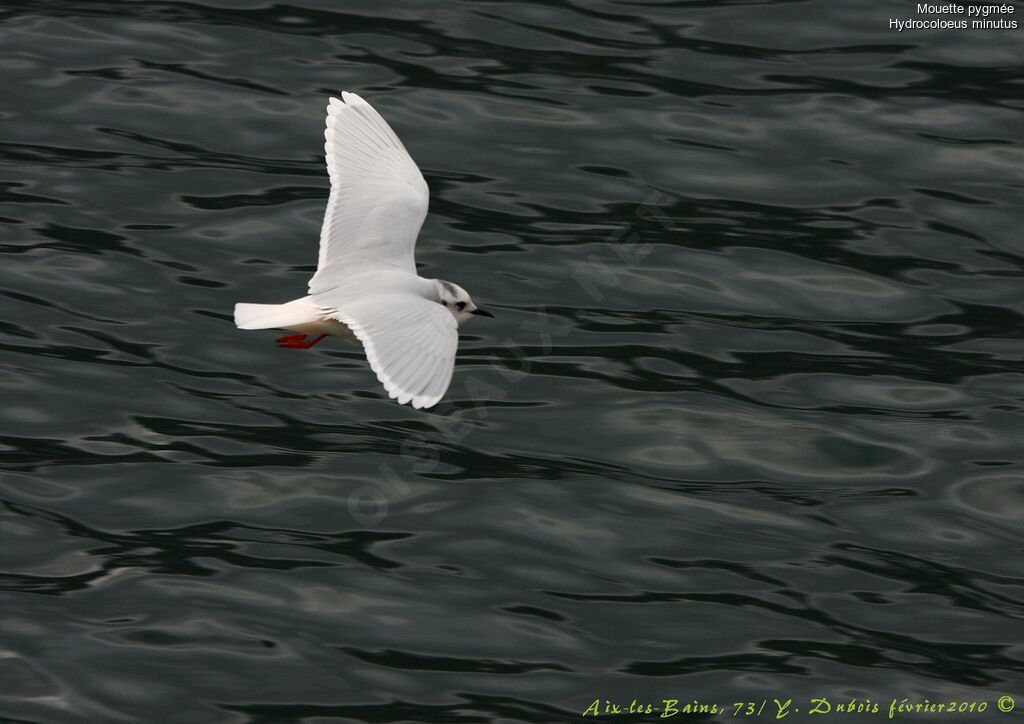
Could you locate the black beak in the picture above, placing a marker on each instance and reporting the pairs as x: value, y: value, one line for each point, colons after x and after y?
x: 483, y: 313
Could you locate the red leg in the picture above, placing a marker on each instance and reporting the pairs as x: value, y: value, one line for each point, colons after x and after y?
x: 290, y: 340
x: 297, y: 341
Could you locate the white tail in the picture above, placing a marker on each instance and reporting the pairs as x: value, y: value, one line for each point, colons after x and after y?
x: 271, y: 316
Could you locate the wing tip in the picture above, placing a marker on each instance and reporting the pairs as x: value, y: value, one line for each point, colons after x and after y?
x: 336, y: 105
x: 424, y: 402
x: 404, y: 397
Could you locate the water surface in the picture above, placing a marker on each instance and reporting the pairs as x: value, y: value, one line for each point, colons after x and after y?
x: 748, y: 423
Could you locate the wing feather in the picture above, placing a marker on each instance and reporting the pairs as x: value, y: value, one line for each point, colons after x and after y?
x: 432, y: 372
x: 440, y: 382
x: 378, y: 197
x: 419, y: 379
x: 409, y: 341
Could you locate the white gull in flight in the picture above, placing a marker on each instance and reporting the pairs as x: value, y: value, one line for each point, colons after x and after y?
x: 366, y: 287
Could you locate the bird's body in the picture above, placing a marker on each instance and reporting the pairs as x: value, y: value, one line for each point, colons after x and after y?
x: 300, y: 315
x: 366, y: 288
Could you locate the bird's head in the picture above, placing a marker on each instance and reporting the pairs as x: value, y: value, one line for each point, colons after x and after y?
x: 457, y: 301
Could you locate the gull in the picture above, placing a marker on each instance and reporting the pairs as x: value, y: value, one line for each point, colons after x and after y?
x: 366, y: 288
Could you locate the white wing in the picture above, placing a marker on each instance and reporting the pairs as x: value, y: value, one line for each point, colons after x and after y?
x: 409, y: 341
x: 378, y: 196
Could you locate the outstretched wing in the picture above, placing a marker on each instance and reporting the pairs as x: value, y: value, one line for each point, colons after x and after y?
x: 378, y: 196
x: 409, y: 341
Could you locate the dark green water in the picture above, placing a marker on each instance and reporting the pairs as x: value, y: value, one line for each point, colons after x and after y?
x: 748, y: 424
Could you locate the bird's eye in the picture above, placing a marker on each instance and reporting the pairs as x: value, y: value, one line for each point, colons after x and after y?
x: 461, y: 306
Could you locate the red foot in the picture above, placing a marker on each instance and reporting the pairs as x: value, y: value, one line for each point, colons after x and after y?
x: 297, y: 341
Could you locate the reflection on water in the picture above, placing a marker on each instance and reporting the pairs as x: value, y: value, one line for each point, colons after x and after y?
x: 748, y: 423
